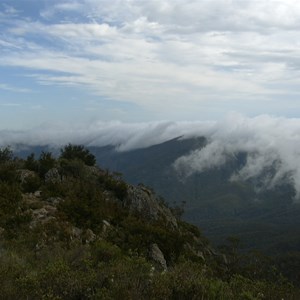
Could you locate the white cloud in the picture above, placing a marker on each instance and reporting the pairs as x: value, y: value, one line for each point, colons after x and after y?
x: 7, y: 87
x: 270, y: 143
x: 158, y: 54
x: 10, y: 10
x: 10, y: 104
x: 125, y: 136
x: 82, y: 31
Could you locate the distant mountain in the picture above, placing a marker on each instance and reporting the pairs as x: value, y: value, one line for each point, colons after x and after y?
x: 267, y: 219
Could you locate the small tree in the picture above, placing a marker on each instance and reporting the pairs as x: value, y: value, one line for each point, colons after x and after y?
x: 6, y: 154
x: 46, y: 162
x: 31, y: 163
x: 78, y: 152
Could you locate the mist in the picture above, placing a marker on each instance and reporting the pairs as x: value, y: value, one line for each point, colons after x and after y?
x: 270, y: 142
x: 124, y: 136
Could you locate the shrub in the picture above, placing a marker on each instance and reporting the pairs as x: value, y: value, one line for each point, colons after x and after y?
x: 103, y: 251
x: 31, y: 184
x: 8, y: 172
x: 6, y: 154
x: 73, y: 152
x: 74, y: 167
x: 46, y: 162
x: 118, y: 187
x: 10, y: 198
x: 31, y: 164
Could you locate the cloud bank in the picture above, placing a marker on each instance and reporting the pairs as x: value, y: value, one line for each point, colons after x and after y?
x: 125, y: 136
x: 270, y: 143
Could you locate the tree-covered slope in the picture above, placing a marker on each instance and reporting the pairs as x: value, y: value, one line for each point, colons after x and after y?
x: 265, y: 219
x: 70, y: 230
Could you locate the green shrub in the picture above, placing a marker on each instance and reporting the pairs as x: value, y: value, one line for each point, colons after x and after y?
x: 72, y: 167
x: 31, y: 184
x: 10, y: 198
x: 46, y: 162
x: 117, y: 186
x: 78, y: 152
x: 31, y: 164
x: 8, y: 172
x: 6, y: 155
x: 12, y: 267
x: 103, y: 251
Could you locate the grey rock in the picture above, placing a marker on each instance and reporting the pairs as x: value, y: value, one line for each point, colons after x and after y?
x: 54, y: 200
x: 24, y: 174
x: 43, y: 215
x: 53, y: 176
x: 89, y: 236
x: 94, y: 170
x: 158, y: 256
x: 145, y: 202
x: 106, y: 226
x: 40, y: 213
x: 76, y: 233
x: 106, y: 223
x: 37, y: 194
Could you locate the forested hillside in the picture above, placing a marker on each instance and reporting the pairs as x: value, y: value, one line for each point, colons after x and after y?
x: 264, y: 219
x: 71, y: 230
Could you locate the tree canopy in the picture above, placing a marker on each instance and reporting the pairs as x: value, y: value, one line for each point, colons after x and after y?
x: 6, y: 154
x: 78, y: 152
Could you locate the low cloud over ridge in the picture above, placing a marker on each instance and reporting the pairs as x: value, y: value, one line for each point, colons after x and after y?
x: 269, y: 141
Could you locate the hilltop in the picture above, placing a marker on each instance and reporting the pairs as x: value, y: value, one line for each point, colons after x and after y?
x: 264, y: 217
x: 71, y: 230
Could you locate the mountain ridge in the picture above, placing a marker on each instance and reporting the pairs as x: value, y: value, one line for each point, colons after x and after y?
x: 74, y: 231
x: 211, y: 197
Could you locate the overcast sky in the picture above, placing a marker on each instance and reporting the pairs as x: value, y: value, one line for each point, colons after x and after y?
x: 134, y: 60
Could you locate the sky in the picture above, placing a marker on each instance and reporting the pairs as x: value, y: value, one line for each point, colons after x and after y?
x: 72, y: 62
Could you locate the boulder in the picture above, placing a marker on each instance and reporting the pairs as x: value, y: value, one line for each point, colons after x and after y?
x: 105, y: 227
x: 53, y: 176
x: 24, y: 174
x: 54, y: 200
x: 89, y: 236
x: 146, y: 203
x: 43, y: 215
x: 157, y: 255
x: 75, y: 233
x: 37, y: 194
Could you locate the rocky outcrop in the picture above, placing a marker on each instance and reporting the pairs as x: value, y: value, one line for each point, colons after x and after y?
x: 24, y: 174
x: 157, y: 255
x: 37, y: 194
x: 53, y: 176
x: 105, y: 227
x: 144, y: 202
x: 139, y: 200
x: 54, y: 200
x: 43, y: 215
x: 89, y: 236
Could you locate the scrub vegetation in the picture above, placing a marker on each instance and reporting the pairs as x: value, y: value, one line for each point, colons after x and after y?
x: 70, y: 230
